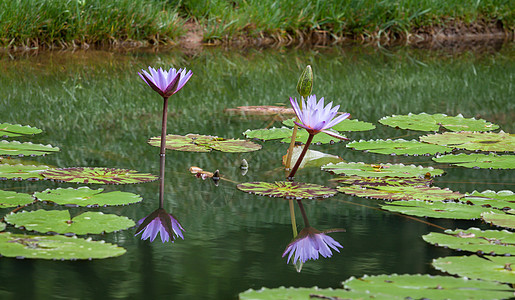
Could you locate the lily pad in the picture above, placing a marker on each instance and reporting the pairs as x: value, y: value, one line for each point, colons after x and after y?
x: 321, y: 138
x: 285, y: 134
x: 84, y: 196
x: 383, y: 181
x: 398, y: 147
x: 2, y: 226
x: 312, y: 158
x: 55, y: 247
x: 426, y: 122
x: 204, y: 143
x: 13, y: 130
x: 14, y: 199
x: 500, y: 200
x: 439, y: 209
x: 476, y: 160
x: 498, y: 219
x: 401, y: 193
x: 345, y: 125
x: 16, y: 148
x: 483, y: 141
x: 491, y: 242
x: 21, y: 172
x: 98, y: 175
x: 381, y: 170
x: 283, y: 293
x: 60, y: 221
x: 427, y: 287
x: 287, y: 189
x: 493, y: 268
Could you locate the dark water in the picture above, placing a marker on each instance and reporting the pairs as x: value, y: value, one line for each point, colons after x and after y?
x: 94, y: 106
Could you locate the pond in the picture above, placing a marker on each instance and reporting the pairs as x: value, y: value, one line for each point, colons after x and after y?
x: 96, y: 109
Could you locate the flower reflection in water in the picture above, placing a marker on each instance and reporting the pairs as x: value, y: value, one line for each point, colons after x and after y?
x: 310, y: 243
x: 160, y: 222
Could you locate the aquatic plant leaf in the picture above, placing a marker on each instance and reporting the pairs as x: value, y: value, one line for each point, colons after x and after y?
x: 439, y: 209
x: 345, y: 125
x: 302, y: 137
x: 14, y: 199
x: 500, y: 200
x: 60, y: 221
x: 235, y: 146
x: 491, y: 242
x: 180, y: 143
x: 476, y: 160
x: 398, y: 147
x: 383, y: 181
x: 13, y: 130
x: 312, y: 158
x: 98, y: 175
x: 21, y: 172
x: 268, y: 134
x: 261, y: 110
x: 426, y: 122
x: 55, y: 247
x: 381, y: 170
x: 2, y: 226
x: 493, y: 268
x: 287, y: 189
x: 499, y: 219
x: 16, y: 148
x: 401, y: 192
x: 426, y: 287
x: 204, y: 143
x: 84, y: 196
x: 282, y: 293
x: 484, y: 141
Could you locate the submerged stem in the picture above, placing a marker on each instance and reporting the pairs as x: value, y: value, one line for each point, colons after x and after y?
x: 303, y: 212
x: 301, y: 157
x: 162, y: 154
x: 292, y: 145
x: 292, y: 216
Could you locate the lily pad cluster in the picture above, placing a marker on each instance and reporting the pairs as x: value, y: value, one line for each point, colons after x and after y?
x: 399, y: 147
x: 427, y: 122
x: 204, y: 143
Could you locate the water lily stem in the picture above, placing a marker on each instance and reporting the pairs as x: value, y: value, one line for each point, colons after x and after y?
x: 303, y: 212
x: 301, y: 157
x: 292, y: 145
x: 162, y: 154
x: 292, y: 216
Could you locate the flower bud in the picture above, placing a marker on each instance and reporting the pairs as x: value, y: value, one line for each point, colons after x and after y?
x: 305, y: 84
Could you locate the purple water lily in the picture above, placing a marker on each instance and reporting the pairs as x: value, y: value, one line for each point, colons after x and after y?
x: 310, y: 243
x: 166, y: 83
x: 159, y: 221
x: 315, y: 118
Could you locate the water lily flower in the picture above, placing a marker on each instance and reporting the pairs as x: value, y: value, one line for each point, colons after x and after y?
x: 315, y: 118
x: 165, y: 83
x: 160, y: 222
x: 310, y: 243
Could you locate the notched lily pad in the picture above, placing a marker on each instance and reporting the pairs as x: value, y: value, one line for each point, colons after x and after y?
x: 13, y: 130
x: 98, y: 175
x: 499, y: 219
x: 14, y: 199
x: 381, y: 170
x: 204, y: 143
x: 481, y: 141
x: 86, y: 197
x: 287, y: 189
x: 398, y: 147
x: 503, y: 200
x: 15, y: 148
x: 345, y: 125
x: 476, y: 160
x: 60, y: 221
x: 426, y: 122
x: 493, y: 268
x: 56, y: 247
x: 383, y: 181
x: 22, y: 172
x: 401, y: 193
x: 439, y: 209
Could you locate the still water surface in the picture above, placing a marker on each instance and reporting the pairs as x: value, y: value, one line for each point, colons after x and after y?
x: 94, y: 106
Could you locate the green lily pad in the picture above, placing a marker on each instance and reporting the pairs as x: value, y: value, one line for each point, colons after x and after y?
x: 16, y: 148
x: 345, y: 125
x: 84, y: 196
x: 401, y: 193
x: 483, y: 141
x: 439, y: 209
x: 98, y: 175
x: 318, y: 139
x: 55, y: 247
x: 383, y: 181
x: 476, y: 160
x: 493, y: 268
x: 283, y: 293
x: 14, y: 199
x: 21, y: 172
x: 500, y: 200
x: 498, y: 219
x: 285, y: 135
x: 13, y: 130
x: 426, y: 287
x: 287, y: 189
x: 2, y: 226
x: 426, y: 122
x: 204, y: 143
x: 381, y: 170
x: 398, y: 147
x: 60, y: 221
x: 491, y: 242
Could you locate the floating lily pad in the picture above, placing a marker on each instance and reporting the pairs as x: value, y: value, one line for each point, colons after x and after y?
x: 312, y: 158
x: 13, y: 130
x: 491, y: 242
x: 285, y: 134
x: 98, y: 175
x: 398, y: 147
x: 14, y: 199
x: 283, y: 293
x: 2, y: 226
x: 287, y: 189
x: 345, y: 125
x: 493, y: 268
x: 321, y: 138
x: 383, y: 181
x: 204, y: 143
x: 426, y: 287
x: 401, y: 192
x: 85, y: 196
x: 16, y: 148
x: 381, y: 170
x: 55, y: 247
x: 60, y: 221
x: 439, y: 209
x: 483, y: 161
x: 499, y: 219
x: 426, y: 122
x: 500, y: 200
x: 21, y: 172
x: 484, y: 141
